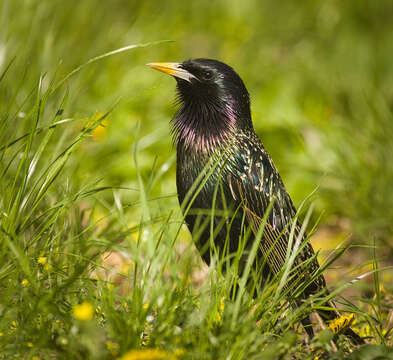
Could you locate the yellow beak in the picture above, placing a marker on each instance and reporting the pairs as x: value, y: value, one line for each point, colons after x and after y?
x: 173, y: 69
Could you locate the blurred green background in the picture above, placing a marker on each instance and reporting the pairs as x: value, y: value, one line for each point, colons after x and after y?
x: 319, y: 73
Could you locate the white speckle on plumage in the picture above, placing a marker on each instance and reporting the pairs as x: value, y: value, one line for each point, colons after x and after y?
x: 205, y: 127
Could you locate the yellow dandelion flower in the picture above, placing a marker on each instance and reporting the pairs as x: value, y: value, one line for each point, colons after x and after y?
x: 1, y: 334
x: 42, y: 260
x: 48, y: 267
x: 145, y: 306
x: 29, y: 344
x: 25, y: 283
x: 84, y: 311
x: 146, y: 354
x: 338, y: 324
x: 365, y: 331
x: 100, y: 131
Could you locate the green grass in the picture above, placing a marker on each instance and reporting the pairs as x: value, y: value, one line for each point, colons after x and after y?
x: 88, y: 207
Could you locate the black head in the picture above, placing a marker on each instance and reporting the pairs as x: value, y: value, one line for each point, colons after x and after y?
x: 214, y: 81
x: 215, y: 103
x: 211, y: 83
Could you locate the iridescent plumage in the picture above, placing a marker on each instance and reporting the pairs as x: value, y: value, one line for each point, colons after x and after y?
x: 214, y: 136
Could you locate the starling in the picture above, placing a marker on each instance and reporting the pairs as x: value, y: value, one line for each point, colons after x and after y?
x: 214, y: 135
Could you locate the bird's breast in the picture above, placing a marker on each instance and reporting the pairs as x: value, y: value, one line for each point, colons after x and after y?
x: 192, y: 175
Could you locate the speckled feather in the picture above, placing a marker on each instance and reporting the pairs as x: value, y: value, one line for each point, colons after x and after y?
x: 250, y: 181
x: 213, y: 127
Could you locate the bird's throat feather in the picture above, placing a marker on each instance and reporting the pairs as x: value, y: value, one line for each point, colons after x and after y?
x: 203, y: 127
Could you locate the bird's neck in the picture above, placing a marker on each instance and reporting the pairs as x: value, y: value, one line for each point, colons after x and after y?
x: 204, y: 127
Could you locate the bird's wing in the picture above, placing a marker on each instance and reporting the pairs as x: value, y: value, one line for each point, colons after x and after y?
x: 253, y: 185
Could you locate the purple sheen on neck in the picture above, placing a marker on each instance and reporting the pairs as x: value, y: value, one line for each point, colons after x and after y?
x: 203, y: 127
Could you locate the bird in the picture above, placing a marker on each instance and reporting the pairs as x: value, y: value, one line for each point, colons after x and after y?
x: 222, y: 163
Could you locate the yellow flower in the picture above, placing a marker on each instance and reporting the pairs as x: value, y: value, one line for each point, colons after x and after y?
x: 146, y: 354
x: 100, y: 131
x: 365, y: 331
x: 25, y: 283
x: 29, y: 344
x: 344, y: 321
x: 83, y: 311
x: 48, y: 267
x: 1, y: 334
x: 42, y: 260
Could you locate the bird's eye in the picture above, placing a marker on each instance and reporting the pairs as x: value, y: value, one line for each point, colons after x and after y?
x: 207, y: 75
